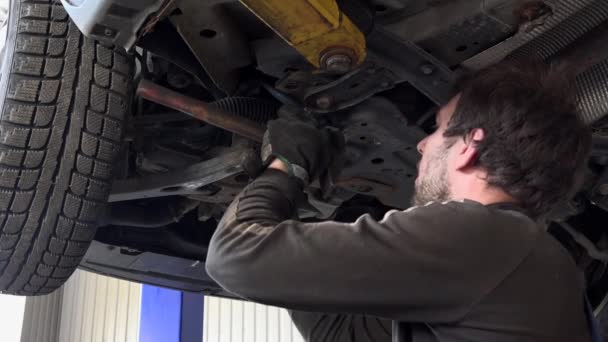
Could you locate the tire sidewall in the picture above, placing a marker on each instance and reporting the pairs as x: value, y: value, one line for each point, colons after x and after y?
x: 9, y: 51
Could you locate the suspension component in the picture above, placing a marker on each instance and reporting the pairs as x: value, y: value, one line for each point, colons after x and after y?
x: 320, y: 32
x: 200, y: 110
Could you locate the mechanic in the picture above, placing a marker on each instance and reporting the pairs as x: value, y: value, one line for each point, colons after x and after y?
x: 470, y: 261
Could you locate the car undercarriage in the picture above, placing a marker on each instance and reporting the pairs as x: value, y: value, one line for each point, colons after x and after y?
x: 231, y: 73
x: 209, y: 75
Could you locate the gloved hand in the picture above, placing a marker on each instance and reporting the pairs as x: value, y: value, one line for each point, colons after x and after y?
x: 308, y: 151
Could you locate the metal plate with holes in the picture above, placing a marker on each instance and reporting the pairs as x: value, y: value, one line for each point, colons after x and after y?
x: 215, y: 40
x: 192, y: 180
x: 381, y: 152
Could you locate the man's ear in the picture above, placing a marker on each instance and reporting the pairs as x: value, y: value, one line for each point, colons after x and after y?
x: 467, y: 152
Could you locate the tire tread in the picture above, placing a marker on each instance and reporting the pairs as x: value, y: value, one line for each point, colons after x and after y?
x: 60, y: 131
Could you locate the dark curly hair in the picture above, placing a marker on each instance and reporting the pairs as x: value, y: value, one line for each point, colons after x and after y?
x: 536, y: 145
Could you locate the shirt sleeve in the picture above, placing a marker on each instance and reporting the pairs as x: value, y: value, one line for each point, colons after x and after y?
x: 426, y: 264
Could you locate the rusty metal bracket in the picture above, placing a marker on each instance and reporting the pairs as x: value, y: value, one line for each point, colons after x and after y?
x: 190, y: 181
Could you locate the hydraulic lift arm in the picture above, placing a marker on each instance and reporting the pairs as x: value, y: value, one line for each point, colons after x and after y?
x: 317, y: 29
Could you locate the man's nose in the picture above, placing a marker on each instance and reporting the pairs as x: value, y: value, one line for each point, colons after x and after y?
x: 421, y: 145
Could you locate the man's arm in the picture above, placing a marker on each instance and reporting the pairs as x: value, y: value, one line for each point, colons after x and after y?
x: 427, y: 264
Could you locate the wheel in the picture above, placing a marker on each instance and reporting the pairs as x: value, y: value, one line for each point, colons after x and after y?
x: 62, y: 101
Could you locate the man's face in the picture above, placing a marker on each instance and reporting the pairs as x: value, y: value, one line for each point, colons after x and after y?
x: 432, y: 183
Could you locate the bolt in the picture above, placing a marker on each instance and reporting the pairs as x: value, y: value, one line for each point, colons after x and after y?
x: 324, y: 102
x: 338, y: 63
x: 108, y: 32
x: 603, y: 189
x: 427, y: 68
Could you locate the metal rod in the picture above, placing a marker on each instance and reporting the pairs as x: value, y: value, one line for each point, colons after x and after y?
x: 200, y: 110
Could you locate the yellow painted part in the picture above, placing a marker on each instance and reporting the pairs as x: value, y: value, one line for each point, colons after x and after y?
x: 311, y: 26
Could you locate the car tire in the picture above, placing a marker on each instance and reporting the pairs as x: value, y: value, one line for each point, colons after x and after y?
x: 63, y: 99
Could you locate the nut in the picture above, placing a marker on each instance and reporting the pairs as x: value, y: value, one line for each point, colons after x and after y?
x: 337, y: 59
x: 338, y: 63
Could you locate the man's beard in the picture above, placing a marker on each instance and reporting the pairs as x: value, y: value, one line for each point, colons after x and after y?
x: 434, y: 186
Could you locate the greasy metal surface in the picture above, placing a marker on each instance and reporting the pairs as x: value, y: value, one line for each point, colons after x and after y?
x: 411, y: 63
x: 200, y: 110
x: 381, y: 152
x: 313, y: 27
x: 216, y: 41
x: 191, y: 180
x: 581, y: 16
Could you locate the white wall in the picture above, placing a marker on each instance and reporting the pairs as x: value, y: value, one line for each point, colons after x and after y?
x: 41, y: 318
x: 96, y: 308
x: 228, y: 320
x: 11, y: 317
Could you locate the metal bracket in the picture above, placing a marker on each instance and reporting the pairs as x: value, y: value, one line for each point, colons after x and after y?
x: 191, y: 180
x: 412, y: 64
x: 217, y: 43
x: 390, y: 61
x: 350, y: 89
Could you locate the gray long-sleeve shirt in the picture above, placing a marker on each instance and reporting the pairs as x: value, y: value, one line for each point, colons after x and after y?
x: 456, y: 271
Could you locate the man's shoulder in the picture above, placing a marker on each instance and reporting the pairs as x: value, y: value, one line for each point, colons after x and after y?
x: 467, y: 214
x: 493, y: 229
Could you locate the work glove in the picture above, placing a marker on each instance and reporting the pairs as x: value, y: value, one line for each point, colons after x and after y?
x: 308, y: 151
